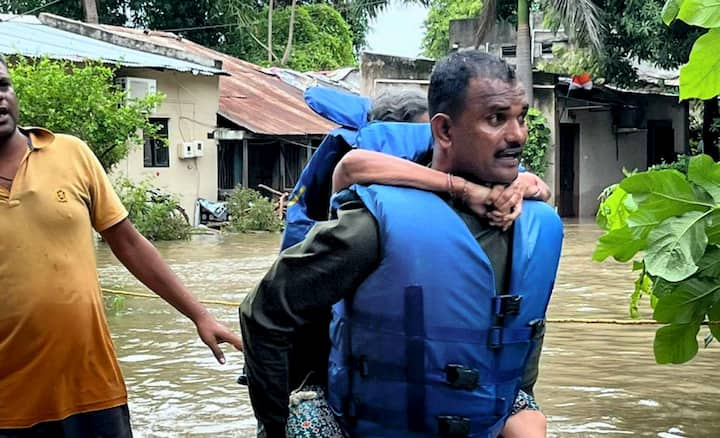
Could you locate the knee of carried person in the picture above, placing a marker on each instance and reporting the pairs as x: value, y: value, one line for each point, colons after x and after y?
x: 527, y: 423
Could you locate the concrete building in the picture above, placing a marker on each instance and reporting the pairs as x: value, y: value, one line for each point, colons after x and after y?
x: 190, y: 84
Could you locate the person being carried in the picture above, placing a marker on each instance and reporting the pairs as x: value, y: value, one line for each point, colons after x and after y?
x: 59, y: 376
x: 437, y: 320
x: 501, y: 204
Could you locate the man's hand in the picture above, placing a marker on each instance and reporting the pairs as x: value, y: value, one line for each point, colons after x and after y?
x: 213, y: 334
x: 476, y: 198
x: 507, y: 202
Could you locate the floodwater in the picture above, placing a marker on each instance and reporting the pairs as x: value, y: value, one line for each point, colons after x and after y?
x: 595, y: 381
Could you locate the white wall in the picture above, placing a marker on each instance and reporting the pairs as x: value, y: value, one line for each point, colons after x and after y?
x: 191, y: 105
x: 545, y: 102
x: 601, y: 162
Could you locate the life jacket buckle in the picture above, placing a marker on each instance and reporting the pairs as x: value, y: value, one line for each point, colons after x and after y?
x: 537, y: 327
x: 495, y: 337
x: 504, y: 305
x: 460, y: 377
x: 452, y: 425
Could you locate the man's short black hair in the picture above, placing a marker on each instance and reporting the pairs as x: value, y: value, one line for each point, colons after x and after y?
x: 404, y: 105
x: 451, y: 76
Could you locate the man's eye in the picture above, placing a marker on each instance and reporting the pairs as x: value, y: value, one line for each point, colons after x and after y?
x: 496, y: 118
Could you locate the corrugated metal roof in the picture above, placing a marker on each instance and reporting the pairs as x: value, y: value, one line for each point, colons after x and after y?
x: 258, y: 102
x: 28, y: 36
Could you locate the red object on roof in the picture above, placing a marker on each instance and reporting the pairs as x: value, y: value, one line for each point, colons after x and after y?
x: 249, y: 98
x: 583, y: 80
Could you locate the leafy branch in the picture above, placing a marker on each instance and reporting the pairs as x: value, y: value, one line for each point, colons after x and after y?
x: 672, y: 220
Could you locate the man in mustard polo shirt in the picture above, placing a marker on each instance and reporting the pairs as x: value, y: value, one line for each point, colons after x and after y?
x: 58, y: 373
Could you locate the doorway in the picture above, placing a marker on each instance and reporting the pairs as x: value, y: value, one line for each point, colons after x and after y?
x: 568, y: 196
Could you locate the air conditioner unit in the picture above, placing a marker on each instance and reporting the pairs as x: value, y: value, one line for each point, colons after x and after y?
x: 137, y: 88
x: 199, y: 148
x: 186, y: 150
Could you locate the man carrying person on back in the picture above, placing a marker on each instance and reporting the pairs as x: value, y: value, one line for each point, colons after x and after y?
x: 437, y: 314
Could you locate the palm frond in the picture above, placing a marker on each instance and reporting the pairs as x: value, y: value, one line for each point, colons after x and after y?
x: 581, y: 17
x: 371, y: 8
x: 486, y: 21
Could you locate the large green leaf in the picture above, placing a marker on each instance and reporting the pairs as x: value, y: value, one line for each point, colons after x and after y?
x: 676, y: 343
x: 613, y: 211
x: 705, y: 172
x: 688, y: 302
x: 700, y: 78
x: 676, y: 245
x: 701, y: 13
x: 659, y: 195
x: 709, y: 264
x: 670, y: 11
x: 662, y: 287
x: 620, y: 244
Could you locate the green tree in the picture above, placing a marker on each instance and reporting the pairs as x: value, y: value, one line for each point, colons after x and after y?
x: 81, y: 100
x: 581, y: 16
x: 109, y: 11
x: 321, y: 40
x: 436, y: 40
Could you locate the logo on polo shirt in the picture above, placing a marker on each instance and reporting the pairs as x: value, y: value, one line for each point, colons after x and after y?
x: 60, y: 194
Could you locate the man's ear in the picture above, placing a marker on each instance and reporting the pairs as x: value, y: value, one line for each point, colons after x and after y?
x: 441, y: 124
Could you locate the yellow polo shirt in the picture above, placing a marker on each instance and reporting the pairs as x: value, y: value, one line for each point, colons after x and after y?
x: 56, y: 355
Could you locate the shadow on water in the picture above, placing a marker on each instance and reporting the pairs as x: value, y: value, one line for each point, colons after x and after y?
x: 595, y: 380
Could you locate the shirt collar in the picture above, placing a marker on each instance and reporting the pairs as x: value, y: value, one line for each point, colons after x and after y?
x: 40, y: 137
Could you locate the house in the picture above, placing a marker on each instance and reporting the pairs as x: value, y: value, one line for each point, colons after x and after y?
x: 226, y: 121
x: 262, y: 131
x: 189, y: 82
x: 596, y: 133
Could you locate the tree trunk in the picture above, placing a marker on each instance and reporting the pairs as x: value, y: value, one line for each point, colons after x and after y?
x: 90, y: 9
x: 709, y: 136
x: 269, y: 35
x: 523, y: 53
x: 291, y: 29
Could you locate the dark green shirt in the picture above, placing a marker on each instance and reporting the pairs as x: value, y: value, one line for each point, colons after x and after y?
x: 285, y: 319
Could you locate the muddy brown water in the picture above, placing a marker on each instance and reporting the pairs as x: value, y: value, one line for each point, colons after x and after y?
x: 595, y: 381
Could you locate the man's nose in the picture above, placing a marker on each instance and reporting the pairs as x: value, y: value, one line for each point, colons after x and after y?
x: 515, y: 132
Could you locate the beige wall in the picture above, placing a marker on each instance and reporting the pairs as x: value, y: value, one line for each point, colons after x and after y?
x: 600, y: 164
x: 191, y: 105
x: 545, y: 102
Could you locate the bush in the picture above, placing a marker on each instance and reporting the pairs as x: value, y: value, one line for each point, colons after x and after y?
x: 534, y: 155
x: 251, y: 211
x: 82, y: 100
x: 156, y: 216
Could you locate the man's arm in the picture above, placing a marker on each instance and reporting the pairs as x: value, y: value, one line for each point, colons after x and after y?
x: 145, y: 263
x: 302, y: 285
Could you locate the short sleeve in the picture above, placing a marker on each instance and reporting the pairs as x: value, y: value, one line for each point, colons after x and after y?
x: 106, y: 209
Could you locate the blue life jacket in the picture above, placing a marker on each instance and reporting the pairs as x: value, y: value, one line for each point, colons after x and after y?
x: 427, y: 346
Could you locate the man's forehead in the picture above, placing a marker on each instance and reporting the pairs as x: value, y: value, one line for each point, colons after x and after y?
x: 4, y: 71
x: 496, y: 93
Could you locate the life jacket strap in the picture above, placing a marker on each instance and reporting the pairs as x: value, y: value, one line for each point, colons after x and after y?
x: 457, y: 376
x: 506, y: 305
x: 453, y: 426
x: 446, y: 426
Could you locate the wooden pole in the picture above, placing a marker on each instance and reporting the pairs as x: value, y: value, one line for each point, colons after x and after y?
x: 245, y: 166
x: 90, y: 9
